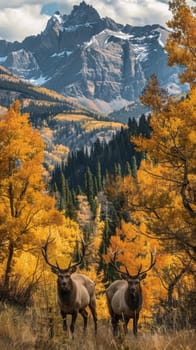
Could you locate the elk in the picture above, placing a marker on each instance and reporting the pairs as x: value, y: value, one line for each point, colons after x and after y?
x: 124, y: 296
x: 75, y: 291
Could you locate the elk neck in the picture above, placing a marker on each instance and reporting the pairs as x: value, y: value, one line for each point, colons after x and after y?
x: 134, y: 300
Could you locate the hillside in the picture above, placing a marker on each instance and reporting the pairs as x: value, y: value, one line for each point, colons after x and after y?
x: 63, y: 122
x: 72, y: 132
x: 32, y: 96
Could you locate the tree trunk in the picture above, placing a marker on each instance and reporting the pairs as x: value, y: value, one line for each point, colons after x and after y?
x: 8, y: 265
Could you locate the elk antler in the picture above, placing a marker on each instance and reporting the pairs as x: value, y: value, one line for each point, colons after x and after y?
x: 152, y: 263
x: 113, y: 261
x: 127, y: 274
x: 82, y: 254
x: 44, y: 248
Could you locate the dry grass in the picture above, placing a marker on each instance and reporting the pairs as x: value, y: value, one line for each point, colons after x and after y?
x: 98, y: 124
x: 32, y: 330
x: 88, y: 123
x: 72, y: 117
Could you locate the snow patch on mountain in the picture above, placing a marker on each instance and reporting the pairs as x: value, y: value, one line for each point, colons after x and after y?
x: 141, y: 52
x: 62, y: 54
x: 161, y: 43
x: 39, y: 81
x: 121, y: 35
x: 174, y: 87
x: 104, y: 37
x: 57, y: 16
x: 3, y: 59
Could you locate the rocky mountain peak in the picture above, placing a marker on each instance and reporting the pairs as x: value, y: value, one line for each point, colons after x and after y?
x: 82, y: 14
x: 54, y: 23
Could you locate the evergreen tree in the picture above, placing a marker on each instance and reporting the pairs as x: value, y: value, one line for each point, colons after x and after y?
x: 133, y: 126
x: 144, y: 128
x: 89, y: 188
x: 98, y: 176
x: 128, y: 169
x: 134, y: 166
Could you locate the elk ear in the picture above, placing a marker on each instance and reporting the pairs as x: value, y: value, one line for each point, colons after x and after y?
x: 55, y: 270
x: 143, y: 276
x: 123, y: 276
x: 73, y: 269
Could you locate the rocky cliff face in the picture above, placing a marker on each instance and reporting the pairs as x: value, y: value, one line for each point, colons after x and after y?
x: 23, y: 61
x: 104, y: 64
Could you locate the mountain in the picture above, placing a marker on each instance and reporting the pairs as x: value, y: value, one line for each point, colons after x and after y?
x: 105, y: 65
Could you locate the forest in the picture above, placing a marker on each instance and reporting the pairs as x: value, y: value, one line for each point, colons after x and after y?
x: 89, y: 171
x: 110, y: 212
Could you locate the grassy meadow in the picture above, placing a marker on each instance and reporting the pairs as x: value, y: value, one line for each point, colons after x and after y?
x: 36, y: 328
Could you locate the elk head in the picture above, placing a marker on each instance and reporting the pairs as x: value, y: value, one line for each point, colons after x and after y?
x: 133, y: 280
x: 64, y: 275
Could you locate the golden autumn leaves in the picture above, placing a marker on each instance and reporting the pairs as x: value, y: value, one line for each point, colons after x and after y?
x: 25, y: 207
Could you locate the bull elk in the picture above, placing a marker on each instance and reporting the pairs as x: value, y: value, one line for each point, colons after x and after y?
x: 75, y: 291
x: 124, y: 297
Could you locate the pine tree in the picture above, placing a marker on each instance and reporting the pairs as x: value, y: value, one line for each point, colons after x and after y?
x: 89, y: 187
x: 128, y: 169
x: 134, y: 166
x: 99, y: 176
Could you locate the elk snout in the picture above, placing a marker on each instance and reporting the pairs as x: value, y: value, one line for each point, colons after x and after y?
x: 132, y: 290
x: 133, y: 287
x: 64, y: 282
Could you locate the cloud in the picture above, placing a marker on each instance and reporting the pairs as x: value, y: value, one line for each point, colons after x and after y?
x: 136, y: 12
x: 17, y: 23
x: 20, y: 18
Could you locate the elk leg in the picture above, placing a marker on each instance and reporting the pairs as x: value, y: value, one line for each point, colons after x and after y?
x: 125, y: 321
x: 115, y: 319
x: 84, y: 314
x: 73, y: 320
x: 135, y: 321
x: 63, y: 314
x: 92, y: 307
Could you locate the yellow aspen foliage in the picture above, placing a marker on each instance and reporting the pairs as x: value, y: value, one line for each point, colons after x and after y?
x: 181, y: 44
x: 167, y: 181
x: 25, y: 205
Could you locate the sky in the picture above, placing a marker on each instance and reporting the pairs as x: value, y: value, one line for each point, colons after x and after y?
x: 21, y: 18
